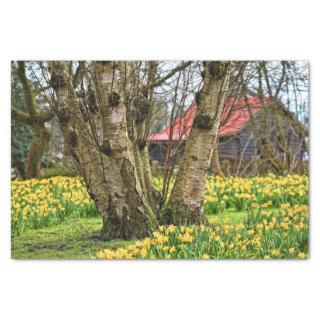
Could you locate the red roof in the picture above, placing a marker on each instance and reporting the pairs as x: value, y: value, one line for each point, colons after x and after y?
x: 230, y: 123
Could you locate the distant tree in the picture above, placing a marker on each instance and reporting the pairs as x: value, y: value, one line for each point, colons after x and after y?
x: 33, y: 117
x: 21, y: 133
x: 280, y: 85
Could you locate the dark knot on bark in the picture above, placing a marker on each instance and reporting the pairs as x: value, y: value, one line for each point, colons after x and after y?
x: 198, y: 97
x: 57, y: 81
x: 216, y: 69
x: 105, y: 62
x: 64, y: 116
x: 113, y: 99
x: 203, y: 121
x: 92, y: 101
x: 106, y: 149
x: 141, y: 143
x: 141, y: 109
x: 72, y: 139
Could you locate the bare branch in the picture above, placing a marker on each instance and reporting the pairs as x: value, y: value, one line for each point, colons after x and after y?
x: 172, y: 73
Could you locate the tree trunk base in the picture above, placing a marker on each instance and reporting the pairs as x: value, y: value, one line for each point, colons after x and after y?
x: 180, y: 215
x: 129, y: 226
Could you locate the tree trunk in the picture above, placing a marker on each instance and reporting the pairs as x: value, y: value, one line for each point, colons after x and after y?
x: 36, y: 151
x: 107, y: 163
x: 186, y: 202
x: 215, y: 160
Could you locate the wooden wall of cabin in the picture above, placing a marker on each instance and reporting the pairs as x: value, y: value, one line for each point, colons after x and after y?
x: 239, y: 153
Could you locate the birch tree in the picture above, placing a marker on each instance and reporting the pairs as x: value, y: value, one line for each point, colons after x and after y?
x: 186, y: 201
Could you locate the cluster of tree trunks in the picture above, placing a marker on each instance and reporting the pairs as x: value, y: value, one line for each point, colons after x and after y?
x: 107, y: 141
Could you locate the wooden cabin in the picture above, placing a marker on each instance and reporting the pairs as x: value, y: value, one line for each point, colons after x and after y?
x: 243, y: 127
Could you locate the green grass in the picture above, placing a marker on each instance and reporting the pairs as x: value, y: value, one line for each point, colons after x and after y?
x: 73, y: 238
x: 231, y: 215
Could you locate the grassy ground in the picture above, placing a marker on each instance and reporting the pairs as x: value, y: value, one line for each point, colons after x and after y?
x: 231, y: 215
x: 74, y: 239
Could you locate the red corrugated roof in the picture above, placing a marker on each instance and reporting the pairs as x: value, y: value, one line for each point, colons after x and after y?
x: 230, y: 123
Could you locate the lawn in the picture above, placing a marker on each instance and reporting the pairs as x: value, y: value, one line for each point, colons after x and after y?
x: 74, y: 239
